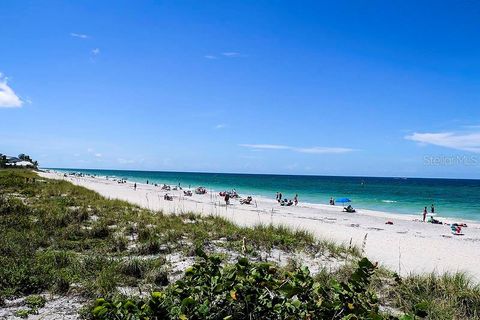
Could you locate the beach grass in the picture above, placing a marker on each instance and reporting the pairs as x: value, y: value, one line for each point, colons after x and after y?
x: 67, y: 239
x: 55, y: 235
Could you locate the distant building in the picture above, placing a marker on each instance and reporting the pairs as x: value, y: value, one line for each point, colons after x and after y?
x: 26, y: 164
x: 12, y: 159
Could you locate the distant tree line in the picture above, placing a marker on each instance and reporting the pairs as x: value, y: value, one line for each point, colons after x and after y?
x: 3, y: 161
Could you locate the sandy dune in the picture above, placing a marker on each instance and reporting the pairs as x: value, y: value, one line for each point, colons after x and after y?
x: 406, y: 246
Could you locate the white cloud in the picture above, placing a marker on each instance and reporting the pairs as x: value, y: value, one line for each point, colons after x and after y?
x: 8, y: 98
x: 79, y: 35
x: 231, y: 54
x: 211, y: 57
x: 125, y: 161
x: 311, y: 150
x: 265, y: 146
x: 96, y: 51
x: 469, y: 141
x: 94, y: 153
x: 320, y: 150
x: 220, y: 126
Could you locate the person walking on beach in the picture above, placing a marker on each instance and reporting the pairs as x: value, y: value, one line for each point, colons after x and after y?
x: 432, y: 209
x: 135, y: 186
x: 276, y: 197
x: 424, y: 214
x: 279, y: 197
x: 295, y: 199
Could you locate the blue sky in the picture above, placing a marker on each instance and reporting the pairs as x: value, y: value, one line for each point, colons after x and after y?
x: 343, y: 88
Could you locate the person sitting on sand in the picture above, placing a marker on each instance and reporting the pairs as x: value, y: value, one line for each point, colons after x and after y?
x: 424, y: 214
x: 434, y: 221
x: 248, y: 200
x: 167, y: 197
x: 289, y: 203
x: 332, y: 202
x: 349, y: 209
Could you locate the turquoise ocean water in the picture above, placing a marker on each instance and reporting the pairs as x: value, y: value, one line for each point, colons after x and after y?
x: 456, y: 198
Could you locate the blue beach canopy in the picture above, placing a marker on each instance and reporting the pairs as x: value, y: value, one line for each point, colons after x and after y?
x: 343, y: 200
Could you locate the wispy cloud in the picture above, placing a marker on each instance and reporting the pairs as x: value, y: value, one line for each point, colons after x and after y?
x: 79, y: 35
x: 264, y: 146
x: 320, y: 150
x: 94, y: 153
x: 96, y: 51
x: 231, y: 54
x: 125, y: 161
x: 220, y: 126
x: 311, y: 150
x: 468, y: 141
x: 8, y: 98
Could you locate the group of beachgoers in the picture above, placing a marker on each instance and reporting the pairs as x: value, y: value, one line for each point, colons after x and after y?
x: 284, y: 201
x: 227, y: 195
x: 348, y: 208
x: 432, y: 211
x: 456, y: 228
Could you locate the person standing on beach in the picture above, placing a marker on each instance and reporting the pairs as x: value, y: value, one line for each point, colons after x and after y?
x: 279, y: 197
x: 135, y: 186
x: 432, y: 209
x: 227, y: 198
x: 424, y: 214
x: 295, y: 199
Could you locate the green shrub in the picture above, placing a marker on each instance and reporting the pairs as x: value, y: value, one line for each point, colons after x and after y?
x: 250, y: 291
x: 35, y: 301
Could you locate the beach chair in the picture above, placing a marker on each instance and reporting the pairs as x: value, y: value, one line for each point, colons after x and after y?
x: 456, y: 229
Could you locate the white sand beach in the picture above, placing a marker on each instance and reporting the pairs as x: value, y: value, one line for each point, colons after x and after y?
x: 407, y: 246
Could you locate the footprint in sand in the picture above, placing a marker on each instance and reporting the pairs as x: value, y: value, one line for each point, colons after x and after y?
x: 355, y: 225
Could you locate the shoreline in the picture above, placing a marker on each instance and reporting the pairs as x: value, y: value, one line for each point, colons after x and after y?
x: 414, y: 209
x: 446, y: 219
x: 405, y: 247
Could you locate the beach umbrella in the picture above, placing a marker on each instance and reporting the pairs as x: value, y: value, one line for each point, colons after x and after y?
x: 343, y: 200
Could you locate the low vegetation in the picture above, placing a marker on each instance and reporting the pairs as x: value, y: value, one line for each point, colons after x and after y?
x: 67, y: 240
x: 248, y: 290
